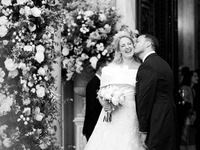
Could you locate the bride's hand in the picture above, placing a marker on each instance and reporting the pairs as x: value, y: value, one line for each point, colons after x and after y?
x: 107, y: 107
x: 105, y: 104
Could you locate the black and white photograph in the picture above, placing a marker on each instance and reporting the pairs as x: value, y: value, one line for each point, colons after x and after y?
x: 99, y: 75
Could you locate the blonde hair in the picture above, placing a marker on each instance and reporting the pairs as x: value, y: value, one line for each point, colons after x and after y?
x: 116, y: 43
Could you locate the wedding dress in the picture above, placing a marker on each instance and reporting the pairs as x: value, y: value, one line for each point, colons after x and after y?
x: 122, y: 132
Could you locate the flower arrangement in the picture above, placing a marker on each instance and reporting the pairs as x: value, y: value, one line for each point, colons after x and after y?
x: 112, y: 95
x: 86, y: 34
x: 28, y: 103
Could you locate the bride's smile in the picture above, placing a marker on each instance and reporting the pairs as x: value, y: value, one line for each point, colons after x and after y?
x: 126, y: 47
x: 128, y: 50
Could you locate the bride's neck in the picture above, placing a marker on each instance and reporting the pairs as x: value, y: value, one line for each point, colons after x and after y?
x: 128, y: 62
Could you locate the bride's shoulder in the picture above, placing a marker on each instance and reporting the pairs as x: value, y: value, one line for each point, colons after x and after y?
x: 110, y: 67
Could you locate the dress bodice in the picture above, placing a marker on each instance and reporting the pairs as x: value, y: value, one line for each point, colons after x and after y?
x: 118, y: 75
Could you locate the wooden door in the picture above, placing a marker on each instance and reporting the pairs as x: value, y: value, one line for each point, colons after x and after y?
x: 159, y: 18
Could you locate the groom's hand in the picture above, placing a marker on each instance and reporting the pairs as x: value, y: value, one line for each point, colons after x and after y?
x: 143, y: 136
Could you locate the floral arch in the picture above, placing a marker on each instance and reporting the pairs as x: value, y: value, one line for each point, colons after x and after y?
x: 28, y: 101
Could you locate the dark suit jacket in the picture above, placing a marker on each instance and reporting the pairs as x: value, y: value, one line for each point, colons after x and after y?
x: 93, y: 107
x: 155, y: 103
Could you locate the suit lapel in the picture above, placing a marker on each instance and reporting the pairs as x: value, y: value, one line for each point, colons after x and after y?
x: 143, y: 63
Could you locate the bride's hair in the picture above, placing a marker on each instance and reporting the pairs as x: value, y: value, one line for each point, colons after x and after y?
x: 116, y: 44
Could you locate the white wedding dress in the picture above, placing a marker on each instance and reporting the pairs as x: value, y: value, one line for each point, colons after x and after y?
x: 122, y: 132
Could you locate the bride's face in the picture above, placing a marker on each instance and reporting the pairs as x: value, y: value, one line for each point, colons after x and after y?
x: 126, y: 47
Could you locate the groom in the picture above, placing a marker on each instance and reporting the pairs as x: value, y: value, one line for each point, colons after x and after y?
x: 154, y: 97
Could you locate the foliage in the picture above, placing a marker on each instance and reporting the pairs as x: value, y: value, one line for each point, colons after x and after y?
x: 28, y: 103
x: 87, y: 34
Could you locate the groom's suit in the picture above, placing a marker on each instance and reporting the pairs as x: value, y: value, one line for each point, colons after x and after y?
x: 155, y: 103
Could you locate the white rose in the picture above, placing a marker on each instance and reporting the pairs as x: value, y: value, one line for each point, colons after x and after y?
x: 40, y: 91
x: 84, y: 56
x: 39, y: 57
x: 22, y: 11
x: 1, y: 81
x: 2, y: 128
x: 136, y: 32
x: 65, y: 62
x: 30, y: 84
x: 25, y: 122
x: 22, y: 65
x: 33, y: 90
x: 107, y: 28
x: 7, y: 142
x: 27, y: 111
x: 26, y: 101
x: 2, y: 73
x: 51, y: 130
x: 36, y: 12
x: 40, y: 48
x: 102, y: 17
x: 27, y: 10
x: 3, y: 20
x: 39, y: 116
x: 3, y: 31
x: 105, y: 51
x: 32, y: 27
x: 41, y: 71
x: 28, y: 48
x: 121, y: 99
x: 93, y: 60
x: 88, y: 13
x: 2, y: 97
x: 6, y: 2
x: 107, y: 95
x: 65, y: 51
x: 115, y: 100
x: 13, y: 73
x: 43, y: 146
x: 10, y: 64
x: 37, y: 110
x: 5, y: 105
x: 5, y: 42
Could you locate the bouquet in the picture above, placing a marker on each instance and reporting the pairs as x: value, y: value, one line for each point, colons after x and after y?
x: 114, y: 96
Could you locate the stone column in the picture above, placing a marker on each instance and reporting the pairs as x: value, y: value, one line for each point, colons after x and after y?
x: 80, y: 83
x: 186, y: 33
x: 57, y: 74
x: 127, y: 10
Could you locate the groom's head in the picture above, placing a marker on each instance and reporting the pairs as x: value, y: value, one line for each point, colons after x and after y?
x: 146, y: 43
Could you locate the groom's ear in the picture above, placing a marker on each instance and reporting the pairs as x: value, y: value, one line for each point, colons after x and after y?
x: 147, y: 43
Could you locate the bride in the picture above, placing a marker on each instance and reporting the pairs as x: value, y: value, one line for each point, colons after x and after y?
x: 117, y: 126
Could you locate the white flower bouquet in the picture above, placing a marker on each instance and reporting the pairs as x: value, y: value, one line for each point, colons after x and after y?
x: 114, y: 96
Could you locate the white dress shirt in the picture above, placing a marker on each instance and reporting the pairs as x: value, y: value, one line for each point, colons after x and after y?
x: 98, y: 76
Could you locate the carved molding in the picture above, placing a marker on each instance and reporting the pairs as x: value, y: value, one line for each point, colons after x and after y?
x: 79, y: 137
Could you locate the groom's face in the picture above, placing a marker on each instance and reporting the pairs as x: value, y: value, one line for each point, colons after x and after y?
x: 140, y: 45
